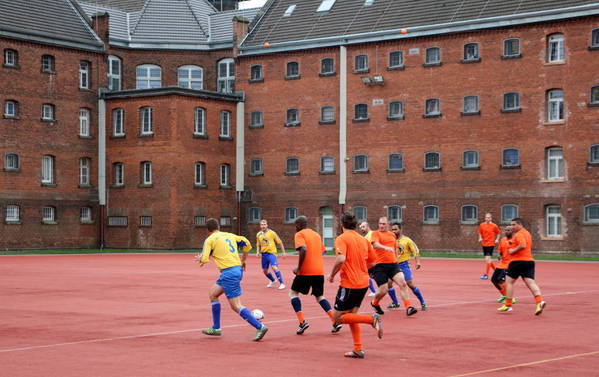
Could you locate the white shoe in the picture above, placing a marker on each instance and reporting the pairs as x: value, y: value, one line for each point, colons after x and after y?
x: 282, y: 286
x: 270, y: 285
x: 371, y: 294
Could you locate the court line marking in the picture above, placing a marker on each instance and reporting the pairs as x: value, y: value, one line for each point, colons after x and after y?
x: 126, y: 337
x: 528, y: 364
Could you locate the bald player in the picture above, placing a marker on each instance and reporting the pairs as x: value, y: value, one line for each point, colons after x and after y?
x: 367, y: 233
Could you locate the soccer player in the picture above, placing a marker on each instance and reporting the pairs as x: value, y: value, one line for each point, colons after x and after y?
x: 223, y: 248
x: 266, y: 244
x: 488, y: 236
x: 521, y: 264
x: 407, y: 249
x: 354, y: 254
x: 386, y: 268
x: 367, y: 232
x: 309, y: 273
x: 498, y: 278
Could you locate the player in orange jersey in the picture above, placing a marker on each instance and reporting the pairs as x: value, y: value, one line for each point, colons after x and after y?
x: 498, y: 278
x: 488, y: 237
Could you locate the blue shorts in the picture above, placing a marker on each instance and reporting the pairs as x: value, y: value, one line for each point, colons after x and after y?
x: 269, y: 259
x: 405, y: 268
x: 230, y: 281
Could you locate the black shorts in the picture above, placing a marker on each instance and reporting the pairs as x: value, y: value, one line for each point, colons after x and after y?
x: 348, y: 298
x: 488, y: 250
x: 371, y: 272
x: 524, y: 268
x: 384, y: 272
x: 303, y: 283
x: 498, y: 275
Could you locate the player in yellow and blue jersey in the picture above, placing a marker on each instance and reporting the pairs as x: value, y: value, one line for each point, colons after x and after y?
x: 223, y: 248
x: 406, y: 249
x: 267, y: 241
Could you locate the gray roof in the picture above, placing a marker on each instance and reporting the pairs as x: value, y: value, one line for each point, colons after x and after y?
x: 353, y: 18
x: 124, y: 5
x: 47, y: 21
x: 221, y: 29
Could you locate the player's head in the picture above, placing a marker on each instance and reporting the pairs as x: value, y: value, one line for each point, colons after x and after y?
x: 364, y: 227
x: 508, y: 231
x: 348, y: 221
x: 383, y: 224
x: 211, y: 225
x: 396, y: 228
x: 263, y: 225
x: 301, y: 223
x: 488, y: 217
x: 517, y: 224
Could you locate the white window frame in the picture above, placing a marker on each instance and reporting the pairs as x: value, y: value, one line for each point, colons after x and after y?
x: 327, y: 164
x: 118, y: 221
x: 118, y: 171
x: 395, y: 157
x: 553, y: 221
x: 226, y: 76
x: 256, y: 69
x: 505, y: 219
x: 556, y: 48
x: 396, y: 110
x: 13, y: 213
x: 85, y: 215
x: 391, y: 215
x: 427, y: 56
x: 361, y: 63
x: 48, y: 112
x: 587, y: 213
x: 114, y: 78
x: 471, y: 52
x: 327, y: 114
x: 256, y: 166
x: 189, y: 81
x: 511, y: 97
x: 84, y: 74
x: 361, y: 213
x: 254, y: 215
x: 556, y: 164
x: 225, y: 123
x: 11, y: 57
x: 11, y: 161
x: 225, y: 221
x: 84, y: 171
x: 148, y: 76
x: 292, y: 117
x: 146, y: 126
x: 555, y: 105
x: 426, y: 219
x: 467, y: 162
x: 84, y: 119
x: 594, y: 154
x: 392, y: 57
x: 325, y: 6
x: 200, y: 173
x: 48, y: 63
x: 289, y: 169
x: 292, y: 69
x: 289, y: 11
x: 469, y: 218
x: 47, y: 169
x: 504, y: 162
x: 118, y: 122
x: 145, y: 221
x: 199, y: 220
x: 324, y: 63
x: 471, y: 104
x: 506, y: 43
x: 10, y: 109
x: 256, y: 118
x: 438, y: 165
x: 146, y: 173
x: 432, y: 107
x: 595, y: 94
x: 199, y: 121
x: 48, y: 214
x: 360, y: 163
x: 290, y: 214
x: 225, y: 175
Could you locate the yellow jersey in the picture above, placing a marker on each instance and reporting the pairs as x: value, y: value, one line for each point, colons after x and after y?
x: 368, y: 235
x: 268, y: 241
x: 406, y: 248
x: 223, y: 248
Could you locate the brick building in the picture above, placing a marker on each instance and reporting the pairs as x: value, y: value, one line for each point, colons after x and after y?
x: 432, y: 115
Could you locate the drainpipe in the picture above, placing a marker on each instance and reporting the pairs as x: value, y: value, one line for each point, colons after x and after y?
x: 102, y: 166
x: 342, y: 126
x: 239, y: 160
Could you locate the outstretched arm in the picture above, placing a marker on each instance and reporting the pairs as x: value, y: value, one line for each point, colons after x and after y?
x: 339, y: 261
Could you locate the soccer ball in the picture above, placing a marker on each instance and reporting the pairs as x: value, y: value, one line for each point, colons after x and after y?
x: 258, y: 314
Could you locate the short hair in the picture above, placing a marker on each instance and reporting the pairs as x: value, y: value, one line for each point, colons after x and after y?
x: 349, y: 221
x: 518, y: 220
x: 302, y: 220
x: 396, y: 223
x: 212, y: 224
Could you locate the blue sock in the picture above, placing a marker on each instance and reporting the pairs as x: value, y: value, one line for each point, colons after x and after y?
x: 297, y: 304
x: 371, y: 286
x: 215, y: 314
x: 247, y: 315
x: 393, y: 296
x: 279, y: 276
x: 418, y: 294
x: 270, y: 277
x: 324, y: 303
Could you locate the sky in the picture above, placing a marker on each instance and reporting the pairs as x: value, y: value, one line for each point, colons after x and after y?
x: 251, y: 4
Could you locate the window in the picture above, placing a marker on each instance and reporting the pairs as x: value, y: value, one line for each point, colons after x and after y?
x: 433, y: 56
x: 48, y: 63
x: 289, y: 11
x: 84, y: 171
x: 555, y: 163
x: 469, y: 214
x: 256, y: 73
x: 292, y: 166
x: 553, y: 221
x: 225, y: 173
x: 327, y: 164
x: 200, y: 220
x: 11, y: 109
x: 470, y: 160
x: 48, y: 214
x: 595, y: 94
x: 118, y: 174
x: 146, y: 173
x: 327, y: 66
x: 225, y: 221
x: 395, y: 59
x: 511, y: 47
x: 48, y: 169
x: 191, y: 77
x: 508, y: 212
x: 145, y: 120
x: 395, y: 162
x: 118, y: 122
x: 555, y: 105
x: 85, y: 215
x: 395, y: 110
x: 326, y: 5
x: 394, y: 214
x: 595, y: 38
x: 361, y: 213
x: 290, y: 214
x: 361, y: 63
x: 145, y: 221
x: 594, y: 154
x: 432, y: 161
x: 256, y: 119
x: 200, y: 174
x: 327, y: 114
x: 256, y: 166
x: 471, y: 52
x: 511, y: 101
x: 431, y: 215
x: 254, y: 215
x: 292, y: 117
x: 114, y: 73
x: 591, y: 214
x: 199, y: 122
x: 11, y: 161
x: 292, y: 70
x: 13, y: 213
x: 84, y: 122
x: 148, y: 76
x: 471, y: 105
x: 48, y: 112
x: 361, y: 163
x: 226, y: 76
x: 511, y: 158
x: 84, y: 75
x: 555, y: 48
x: 361, y: 111
x: 432, y: 107
x: 11, y: 58
x: 368, y: 3
x: 117, y: 220
x: 225, y: 124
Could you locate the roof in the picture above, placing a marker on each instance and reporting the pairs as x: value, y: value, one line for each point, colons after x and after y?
x: 48, y: 21
x: 354, y: 19
x: 221, y: 29
x: 124, y: 5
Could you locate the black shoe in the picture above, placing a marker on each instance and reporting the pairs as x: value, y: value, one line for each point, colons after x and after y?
x: 377, y: 309
x: 411, y: 311
x: 355, y: 354
x: 336, y: 328
x: 302, y: 327
x: 393, y: 306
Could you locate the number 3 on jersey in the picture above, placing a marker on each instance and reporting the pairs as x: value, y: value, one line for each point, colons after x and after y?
x: 231, y: 247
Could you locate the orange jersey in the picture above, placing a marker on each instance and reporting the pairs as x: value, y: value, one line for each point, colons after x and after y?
x: 522, y: 237
x: 358, y: 253
x: 313, y: 262
x: 504, y: 245
x: 385, y: 239
x: 488, y: 232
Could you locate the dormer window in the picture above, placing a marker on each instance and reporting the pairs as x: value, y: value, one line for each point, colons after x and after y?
x: 289, y: 11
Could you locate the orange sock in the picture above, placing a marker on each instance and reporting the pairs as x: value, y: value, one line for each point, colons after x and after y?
x: 487, y: 268
x: 375, y: 301
x: 508, y: 302
x: 492, y: 265
x: 353, y: 318
x: 503, y: 289
x: 538, y: 299
x: 357, y: 335
x: 330, y: 313
x: 300, y: 316
x: 407, y: 303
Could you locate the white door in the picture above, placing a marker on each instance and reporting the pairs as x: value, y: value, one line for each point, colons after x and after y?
x: 327, y: 232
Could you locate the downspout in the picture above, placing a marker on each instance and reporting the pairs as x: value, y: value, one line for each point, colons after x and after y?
x: 102, y: 166
x: 239, y: 160
x: 342, y: 126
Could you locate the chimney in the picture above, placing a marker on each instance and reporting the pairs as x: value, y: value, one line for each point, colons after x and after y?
x: 100, y: 24
x: 240, y: 30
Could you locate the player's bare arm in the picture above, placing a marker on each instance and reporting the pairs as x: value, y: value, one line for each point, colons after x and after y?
x: 339, y: 261
x: 377, y: 245
x: 302, y: 255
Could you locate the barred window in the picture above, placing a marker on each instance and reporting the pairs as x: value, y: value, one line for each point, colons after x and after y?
x: 13, y: 213
x: 394, y: 214
x: 145, y: 221
x: 48, y: 214
x: 470, y: 159
x: 511, y: 157
x: 225, y: 221
x: 431, y: 214
x: 85, y: 215
x: 508, y: 213
x: 471, y: 52
x: 254, y: 215
x: 327, y: 114
x: 511, y: 47
x: 361, y: 213
x: 256, y: 73
x: 327, y: 164
x: 361, y: 63
x: 117, y: 220
x: 395, y: 162
x: 292, y: 165
x: 511, y: 101
x: 395, y: 110
x: 290, y: 214
x: 361, y: 111
x: 471, y: 105
x: 257, y: 119
x: 432, y: 160
x: 360, y: 163
x: 327, y: 66
x: 292, y: 70
x: 591, y: 214
x: 469, y: 214
x: 200, y: 220
x: 395, y: 59
x: 433, y: 55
